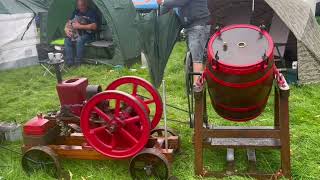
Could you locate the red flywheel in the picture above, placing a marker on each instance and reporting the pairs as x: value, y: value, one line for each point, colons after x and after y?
x: 115, y: 124
x: 144, y: 92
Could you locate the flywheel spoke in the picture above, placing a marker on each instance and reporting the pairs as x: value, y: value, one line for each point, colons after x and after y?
x: 117, y: 108
x: 102, y: 114
x: 135, y: 89
x: 128, y: 136
x: 149, y: 101
x: 132, y: 120
x: 98, y: 129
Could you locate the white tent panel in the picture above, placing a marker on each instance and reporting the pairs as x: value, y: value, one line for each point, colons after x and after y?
x: 14, y: 52
x: 312, y: 4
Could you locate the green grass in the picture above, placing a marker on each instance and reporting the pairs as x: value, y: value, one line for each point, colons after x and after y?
x: 25, y: 92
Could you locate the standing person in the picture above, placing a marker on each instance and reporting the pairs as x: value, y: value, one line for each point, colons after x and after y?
x: 80, y: 29
x: 195, y: 17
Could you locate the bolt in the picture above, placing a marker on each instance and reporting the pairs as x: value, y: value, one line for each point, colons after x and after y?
x: 225, y: 46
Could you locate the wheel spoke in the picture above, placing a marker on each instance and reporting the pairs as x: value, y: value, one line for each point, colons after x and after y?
x: 134, y: 129
x: 149, y: 101
x: 132, y: 120
x: 135, y: 89
x: 128, y: 136
x: 117, y: 108
x: 102, y: 114
x: 98, y: 129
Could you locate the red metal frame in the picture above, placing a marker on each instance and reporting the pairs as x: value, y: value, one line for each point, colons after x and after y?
x: 234, y: 69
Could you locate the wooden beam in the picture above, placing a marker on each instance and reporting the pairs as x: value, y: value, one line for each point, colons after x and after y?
x: 241, y: 132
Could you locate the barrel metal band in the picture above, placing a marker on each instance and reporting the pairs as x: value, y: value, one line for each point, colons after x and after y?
x: 241, y: 85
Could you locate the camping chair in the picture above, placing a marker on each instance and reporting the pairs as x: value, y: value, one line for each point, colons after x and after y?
x: 103, y: 39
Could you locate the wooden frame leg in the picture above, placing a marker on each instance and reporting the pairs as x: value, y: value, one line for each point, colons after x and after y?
x: 198, y: 135
x: 285, y: 133
x: 276, y: 107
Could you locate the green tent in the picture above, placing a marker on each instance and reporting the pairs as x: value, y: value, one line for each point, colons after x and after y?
x: 22, y: 6
x: 128, y: 31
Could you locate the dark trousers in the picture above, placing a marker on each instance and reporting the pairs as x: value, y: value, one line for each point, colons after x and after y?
x: 79, y: 45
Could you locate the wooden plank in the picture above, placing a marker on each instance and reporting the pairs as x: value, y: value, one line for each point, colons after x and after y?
x: 75, y: 139
x: 241, y: 132
x: 77, y: 152
x: 222, y: 174
x: 241, y: 127
x: 245, y: 143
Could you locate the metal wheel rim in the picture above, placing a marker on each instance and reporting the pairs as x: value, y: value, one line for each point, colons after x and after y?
x: 189, y: 87
x: 41, y: 158
x: 144, y: 162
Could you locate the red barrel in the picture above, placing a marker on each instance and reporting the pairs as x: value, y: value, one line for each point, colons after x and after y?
x: 240, y: 71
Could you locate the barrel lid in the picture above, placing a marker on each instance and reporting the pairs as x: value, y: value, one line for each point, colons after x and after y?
x: 240, y: 45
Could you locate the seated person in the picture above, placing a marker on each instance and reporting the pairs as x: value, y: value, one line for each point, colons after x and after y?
x: 79, y: 29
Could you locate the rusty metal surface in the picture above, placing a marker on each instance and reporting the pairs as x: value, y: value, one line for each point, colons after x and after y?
x: 158, y: 132
x: 149, y: 164
x: 41, y: 158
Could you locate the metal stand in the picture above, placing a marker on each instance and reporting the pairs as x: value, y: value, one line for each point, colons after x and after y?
x: 250, y: 138
x: 50, y: 67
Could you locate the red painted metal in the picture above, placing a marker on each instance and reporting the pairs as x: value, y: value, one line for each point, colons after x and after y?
x: 73, y: 92
x: 120, y: 136
x: 239, y: 91
x: 241, y: 85
x: 243, y: 69
x: 37, y: 126
x: 137, y: 83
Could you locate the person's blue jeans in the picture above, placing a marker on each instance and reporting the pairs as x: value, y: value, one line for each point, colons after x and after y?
x: 80, y: 45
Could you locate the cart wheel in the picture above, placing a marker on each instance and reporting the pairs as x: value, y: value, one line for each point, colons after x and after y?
x: 160, y: 132
x: 189, y: 87
x: 149, y: 164
x: 41, y: 158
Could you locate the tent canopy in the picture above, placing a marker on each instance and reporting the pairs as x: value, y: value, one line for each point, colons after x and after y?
x: 19, y: 37
x: 22, y: 6
x: 298, y: 17
x: 132, y: 32
x: 155, y: 35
